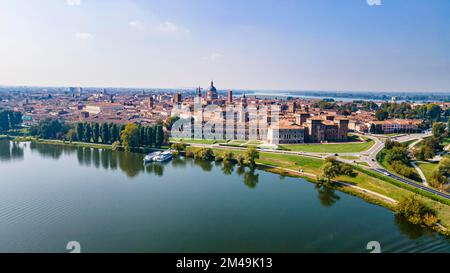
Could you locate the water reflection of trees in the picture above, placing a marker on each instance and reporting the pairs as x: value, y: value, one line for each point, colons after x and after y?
x: 228, y: 168
x: 205, y: 165
x: 10, y: 151
x: 327, y: 196
x: 51, y: 151
x: 409, y: 229
x: 129, y: 163
x: 179, y: 162
x: 251, y: 178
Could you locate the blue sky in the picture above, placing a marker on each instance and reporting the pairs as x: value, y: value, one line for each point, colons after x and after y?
x: 401, y: 45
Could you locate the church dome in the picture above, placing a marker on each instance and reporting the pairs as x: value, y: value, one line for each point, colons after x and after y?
x: 212, y: 88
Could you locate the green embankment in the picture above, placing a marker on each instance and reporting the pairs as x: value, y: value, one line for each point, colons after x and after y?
x: 197, y: 141
x: 427, y: 168
x: 388, y: 167
x: 330, y: 148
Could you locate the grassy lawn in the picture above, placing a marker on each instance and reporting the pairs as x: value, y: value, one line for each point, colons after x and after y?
x: 330, y: 148
x: 197, y: 140
x: 446, y: 142
x: 254, y: 142
x: 427, y: 168
x: 349, y: 157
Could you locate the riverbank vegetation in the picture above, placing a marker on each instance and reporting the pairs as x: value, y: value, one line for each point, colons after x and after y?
x: 395, y: 157
x: 440, y: 176
x: 131, y: 137
x: 9, y: 120
x: 416, y: 211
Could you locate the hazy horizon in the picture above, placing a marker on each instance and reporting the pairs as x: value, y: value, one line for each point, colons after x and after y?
x: 260, y: 45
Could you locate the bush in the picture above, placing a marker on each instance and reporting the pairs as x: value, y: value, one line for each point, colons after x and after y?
x: 178, y: 147
x: 116, y: 146
x: 429, y: 219
x: 204, y: 154
x: 241, y: 160
x: 415, y: 211
x: 218, y: 158
x: 228, y: 157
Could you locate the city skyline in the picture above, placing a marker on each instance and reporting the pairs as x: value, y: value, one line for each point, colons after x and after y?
x: 256, y: 45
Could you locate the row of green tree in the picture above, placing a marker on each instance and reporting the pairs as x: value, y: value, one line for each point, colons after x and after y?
x: 9, y: 119
x: 130, y: 135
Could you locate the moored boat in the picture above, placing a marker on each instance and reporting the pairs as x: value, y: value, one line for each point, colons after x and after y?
x: 164, y: 156
x: 151, y: 157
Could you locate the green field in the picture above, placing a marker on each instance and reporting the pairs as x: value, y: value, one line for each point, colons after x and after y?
x: 427, y: 168
x: 446, y: 142
x: 349, y: 157
x: 197, y: 140
x: 329, y: 148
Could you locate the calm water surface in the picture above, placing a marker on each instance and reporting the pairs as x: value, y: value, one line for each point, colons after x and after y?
x: 109, y: 202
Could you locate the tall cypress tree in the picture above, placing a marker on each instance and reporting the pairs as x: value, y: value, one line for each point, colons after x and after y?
x: 142, y: 139
x: 87, y: 132
x: 112, y: 131
x: 95, y: 132
x: 121, y: 128
x: 4, y: 121
x: 159, y: 136
x: 80, y: 131
x: 150, y: 136
x: 105, y: 133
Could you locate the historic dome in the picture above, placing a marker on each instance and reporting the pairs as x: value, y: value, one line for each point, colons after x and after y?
x: 212, y: 88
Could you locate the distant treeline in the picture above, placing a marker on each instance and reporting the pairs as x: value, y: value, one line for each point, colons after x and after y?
x: 404, y: 96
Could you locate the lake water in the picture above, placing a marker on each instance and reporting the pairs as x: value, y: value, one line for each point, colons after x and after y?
x: 109, y: 202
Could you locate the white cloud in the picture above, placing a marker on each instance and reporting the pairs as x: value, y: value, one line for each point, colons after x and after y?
x: 84, y: 36
x: 73, y: 2
x: 213, y: 57
x: 169, y: 27
x: 136, y: 25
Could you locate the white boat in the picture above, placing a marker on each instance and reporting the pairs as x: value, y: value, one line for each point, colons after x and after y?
x: 151, y: 157
x: 164, y: 156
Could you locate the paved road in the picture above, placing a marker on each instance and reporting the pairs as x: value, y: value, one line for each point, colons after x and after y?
x: 416, y: 185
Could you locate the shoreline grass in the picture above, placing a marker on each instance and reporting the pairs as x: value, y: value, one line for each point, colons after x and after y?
x: 349, y: 147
